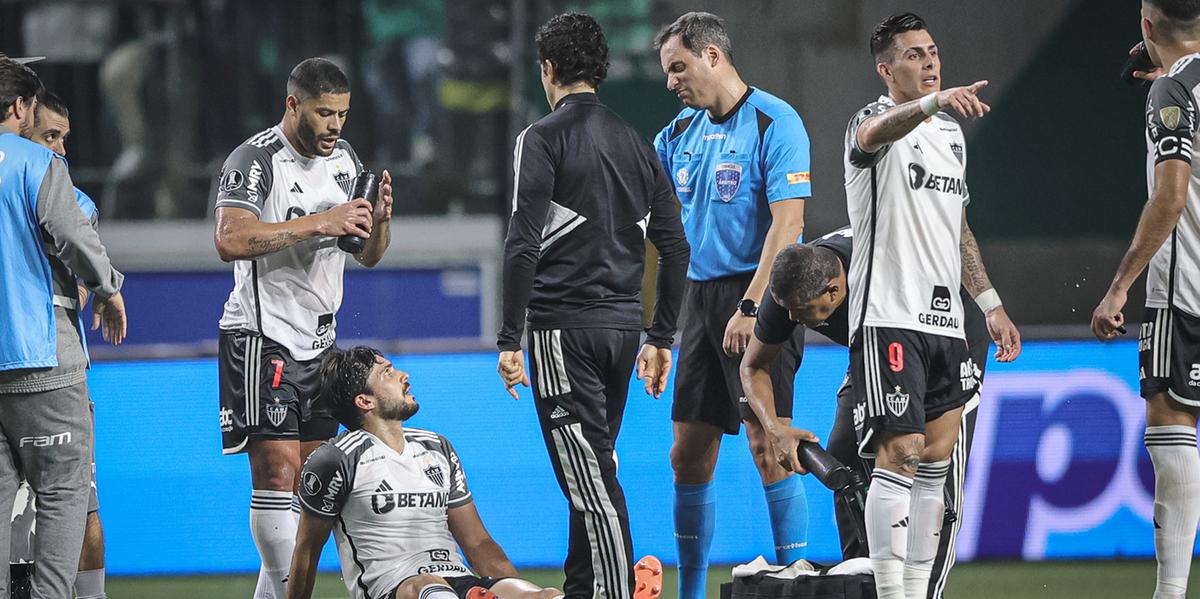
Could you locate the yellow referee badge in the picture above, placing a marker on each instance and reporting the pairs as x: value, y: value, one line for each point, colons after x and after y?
x: 1170, y: 116
x: 794, y: 178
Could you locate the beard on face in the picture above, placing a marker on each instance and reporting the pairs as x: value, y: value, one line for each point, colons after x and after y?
x: 401, y: 410
x: 309, y: 137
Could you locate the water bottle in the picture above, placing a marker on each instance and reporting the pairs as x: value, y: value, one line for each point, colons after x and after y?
x: 366, y: 186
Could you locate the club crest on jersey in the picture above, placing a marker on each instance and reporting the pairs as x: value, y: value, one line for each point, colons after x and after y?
x: 897, y: 403
x: 1170, y: 116
x: 957, y: 149
x: 682, y: 175
x: 729, y: 179
x: 435, y: 475
x: 276, y: 412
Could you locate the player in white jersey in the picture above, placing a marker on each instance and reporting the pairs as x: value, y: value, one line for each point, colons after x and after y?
x: 1168, y: 241
x: 281, y: 205
x: 909, y: 363
x: 395, y: 497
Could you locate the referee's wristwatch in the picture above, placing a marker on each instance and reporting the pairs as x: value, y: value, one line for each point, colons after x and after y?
x: 747, y: 307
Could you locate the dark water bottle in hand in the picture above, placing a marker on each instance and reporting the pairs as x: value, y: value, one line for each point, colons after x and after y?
x: 366, y: 186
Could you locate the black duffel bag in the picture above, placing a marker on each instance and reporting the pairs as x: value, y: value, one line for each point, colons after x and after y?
x: 836, y: 586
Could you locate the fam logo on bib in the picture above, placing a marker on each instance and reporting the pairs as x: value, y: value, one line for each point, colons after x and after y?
x: 729, y: 179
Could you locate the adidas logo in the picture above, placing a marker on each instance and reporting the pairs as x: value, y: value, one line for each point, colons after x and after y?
x: 559, y: 412
x: 296, y: 188
x: 901, y: 524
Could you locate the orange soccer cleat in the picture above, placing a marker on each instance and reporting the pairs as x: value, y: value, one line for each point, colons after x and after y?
x: 648, y: 574
x: 480, y: 593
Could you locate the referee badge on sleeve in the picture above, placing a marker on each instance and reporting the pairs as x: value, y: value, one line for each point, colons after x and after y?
x: 729, y: 178
x: 1170, y: 116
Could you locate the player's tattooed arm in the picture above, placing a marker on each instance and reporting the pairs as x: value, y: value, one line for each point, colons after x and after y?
x: 889, y: 126
x: 272, y: 242
x: 974, y: 275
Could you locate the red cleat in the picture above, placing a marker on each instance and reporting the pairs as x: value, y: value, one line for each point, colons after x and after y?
x: 480, y: 593
x: 647, y: 573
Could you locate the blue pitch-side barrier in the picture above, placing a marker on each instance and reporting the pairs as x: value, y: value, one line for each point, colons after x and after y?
x: 1058, y: 469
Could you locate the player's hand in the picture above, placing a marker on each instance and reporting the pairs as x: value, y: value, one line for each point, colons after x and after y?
x: 1107, y: 319
x: 786, y: 441
x: 350, y: 218
x: 383, y: 206
x: 110, y: 313
x: 737, y: 334
x: 512, y: 371
x: 653, y: 366
x: 965, y: 100
x: 1005, y: 334
x: 1150, y: 75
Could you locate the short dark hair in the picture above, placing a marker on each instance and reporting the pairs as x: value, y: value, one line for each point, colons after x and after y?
x: 1181, y: 16
x: 801, y: 272
x: 316, y: 76
x: 883, y: 39
x: 17, y: 81
x: 344, y: 377
x: 575, y: 44
x: 50, y: 101
x: 696, y: 31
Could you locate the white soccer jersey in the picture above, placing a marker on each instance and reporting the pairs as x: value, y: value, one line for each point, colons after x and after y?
x: 390, y: 507
x: 905, y: 203
x: 291, y: 296
x: 1171, y: 128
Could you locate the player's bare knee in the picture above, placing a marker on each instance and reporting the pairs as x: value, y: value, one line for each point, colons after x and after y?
x: 901, y: 453
x: 691, y: 467
x: 413, y: 585
x: 1163, y: 410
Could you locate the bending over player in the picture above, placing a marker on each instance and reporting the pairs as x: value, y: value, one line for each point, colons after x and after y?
x: 397, y: 499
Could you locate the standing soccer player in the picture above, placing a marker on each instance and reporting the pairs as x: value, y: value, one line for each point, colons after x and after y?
x: 740, y: 161
x: 809, y: 287
x: 588, y: 192
x: 51, y: 126
x: 906, y: 193
x: 280, y: 208
x: 1168, y: 241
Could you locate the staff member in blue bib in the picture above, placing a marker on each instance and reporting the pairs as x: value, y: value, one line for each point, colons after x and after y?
x: 45, y: 423
x: 739, y: 159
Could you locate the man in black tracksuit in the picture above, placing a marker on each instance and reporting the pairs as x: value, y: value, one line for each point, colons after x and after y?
x: 588, y: 192
x: 825, y: 261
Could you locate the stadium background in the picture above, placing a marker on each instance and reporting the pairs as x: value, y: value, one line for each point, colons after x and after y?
x: 161, y: 90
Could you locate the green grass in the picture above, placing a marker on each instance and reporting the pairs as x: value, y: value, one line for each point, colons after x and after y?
x: 986, y: 580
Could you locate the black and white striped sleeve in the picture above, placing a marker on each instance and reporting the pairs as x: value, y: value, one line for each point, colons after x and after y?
x: 246, y: 179
x: 1170, y: 120
x: 859, y: 158
x: 533, y: 185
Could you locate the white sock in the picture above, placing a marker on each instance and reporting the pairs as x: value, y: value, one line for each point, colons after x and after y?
x: 273, y: 527
x: 888, y: 499
x: 436, y: 591
x: 925, y: 517
x: 1176, y: 509
x: 296, y: 509
x: 89, y: 584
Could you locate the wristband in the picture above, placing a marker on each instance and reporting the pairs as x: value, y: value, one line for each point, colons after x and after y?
x: 929, y: 105
x: 988, y: 300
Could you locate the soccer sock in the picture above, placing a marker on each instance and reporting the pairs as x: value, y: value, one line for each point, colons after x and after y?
x: 888, y: 499
x: 274, y: 530
x: 787, y: 505
x: 694, y: 516
x: 89, y: 584
x: 926, y: 513
x: 436, y: 591
x: 296, y: 509
x: 1176, y: 509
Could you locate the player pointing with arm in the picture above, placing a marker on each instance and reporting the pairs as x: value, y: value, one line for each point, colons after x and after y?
x: 1168, y: 241
x: 280, y: 208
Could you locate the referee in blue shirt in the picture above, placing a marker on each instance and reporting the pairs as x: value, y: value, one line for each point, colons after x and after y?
x: 739, y: 159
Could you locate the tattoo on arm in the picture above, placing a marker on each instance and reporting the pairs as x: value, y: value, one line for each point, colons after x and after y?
x: 974, y: 275
x: 892, y: 125
x: 271, y: 243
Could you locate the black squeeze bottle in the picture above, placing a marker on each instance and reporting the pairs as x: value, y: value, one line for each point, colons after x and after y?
x: 366, y: 186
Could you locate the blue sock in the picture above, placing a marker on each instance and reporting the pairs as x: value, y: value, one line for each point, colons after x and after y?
x: 694, y: 516
x: 788, y: 506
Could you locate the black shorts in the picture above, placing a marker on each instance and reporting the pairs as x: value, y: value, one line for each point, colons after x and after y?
x: 266, y: 394
x: 902, y: 379
x: 460, y: 584
x: 708, y: 386
x: 1169, y: 355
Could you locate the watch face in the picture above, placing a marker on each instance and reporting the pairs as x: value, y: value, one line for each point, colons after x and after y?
x: 748, y: 308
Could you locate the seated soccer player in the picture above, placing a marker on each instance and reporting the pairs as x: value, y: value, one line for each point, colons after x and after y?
x: 397, y: 499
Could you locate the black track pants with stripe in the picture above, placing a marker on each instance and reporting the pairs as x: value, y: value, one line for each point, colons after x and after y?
x: 580, y: 383
x: 843, y: 445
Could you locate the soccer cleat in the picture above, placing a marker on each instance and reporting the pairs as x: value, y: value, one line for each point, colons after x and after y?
x: 648, y: 575
x: 480, y: 593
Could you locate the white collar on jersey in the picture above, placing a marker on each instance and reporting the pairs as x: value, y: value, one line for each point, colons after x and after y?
x: 300, y: 158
